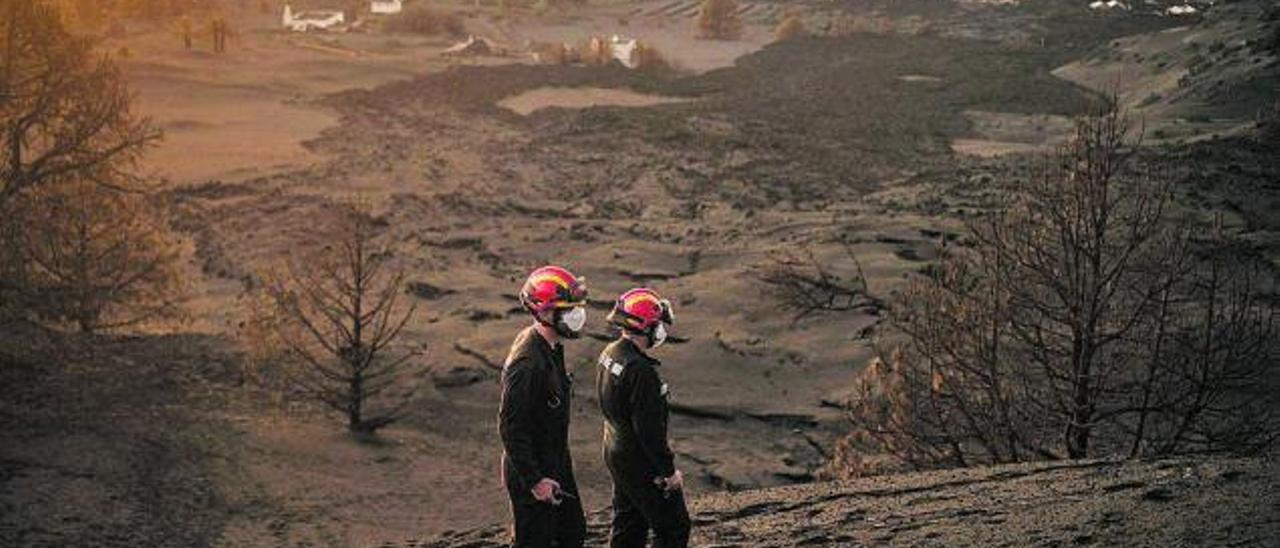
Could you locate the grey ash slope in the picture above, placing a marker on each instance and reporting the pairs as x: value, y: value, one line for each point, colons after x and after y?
x: 1193, y: 501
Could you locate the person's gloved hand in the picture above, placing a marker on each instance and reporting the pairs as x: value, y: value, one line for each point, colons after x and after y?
x: 546, y: 491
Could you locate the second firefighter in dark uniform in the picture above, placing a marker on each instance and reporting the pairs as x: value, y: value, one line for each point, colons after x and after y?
x: 648, y: 490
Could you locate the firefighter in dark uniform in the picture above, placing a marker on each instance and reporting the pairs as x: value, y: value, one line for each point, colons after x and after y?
x: 648, y: 491
x: 533, y: 420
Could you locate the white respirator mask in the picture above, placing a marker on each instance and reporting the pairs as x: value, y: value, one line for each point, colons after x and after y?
x: 574, y: 319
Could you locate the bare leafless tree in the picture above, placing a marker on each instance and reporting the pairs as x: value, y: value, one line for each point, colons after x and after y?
x: 220, y: 31
x: 336, y: 316
x: 185, y: 28
x: 807, y: 286
x: 1210, y: 352
x: 65, y: 112
x: 99, y: 258
x: 66, y: 122
x: 1085, y: 320
x: 1070, y: 256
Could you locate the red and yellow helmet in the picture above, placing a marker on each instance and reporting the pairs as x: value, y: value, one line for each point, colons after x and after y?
x: 552, y: 287
x: 640, y: 310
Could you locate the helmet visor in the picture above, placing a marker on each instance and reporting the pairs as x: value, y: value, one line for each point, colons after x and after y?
x: 578, y: 291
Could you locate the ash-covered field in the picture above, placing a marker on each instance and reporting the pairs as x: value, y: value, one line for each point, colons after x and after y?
x: 882, y: 143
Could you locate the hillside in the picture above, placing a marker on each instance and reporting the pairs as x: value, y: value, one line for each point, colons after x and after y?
x: 1208, y: 77
x: 865, y: 147
x: 1193, y: 501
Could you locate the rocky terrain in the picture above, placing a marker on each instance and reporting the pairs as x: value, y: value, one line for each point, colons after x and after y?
x: 1194, y: 501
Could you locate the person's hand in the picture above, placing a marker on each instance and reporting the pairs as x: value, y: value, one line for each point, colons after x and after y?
x: 674, y: 483
x: 546, y: 490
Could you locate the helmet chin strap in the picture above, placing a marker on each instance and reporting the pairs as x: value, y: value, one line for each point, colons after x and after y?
x: 652, y: 338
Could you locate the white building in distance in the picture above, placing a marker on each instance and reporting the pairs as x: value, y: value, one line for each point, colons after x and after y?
x: 622, y: 50
x: 304, y: 21
x: 1099, y: 5
x: 386, y: 7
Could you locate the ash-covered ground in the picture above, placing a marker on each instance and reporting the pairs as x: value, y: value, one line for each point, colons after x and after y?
x: 885, y: 141
x: 1205, y: 501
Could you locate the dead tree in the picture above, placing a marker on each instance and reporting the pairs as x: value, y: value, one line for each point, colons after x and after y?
x: 1210, y: 354
x: 336, y: 316
x: 1084, y: 321
x: 65, y: 119
x: 219, y: 31
x: 807, y: 286
x: 99, y: 258
x: 185, y: 28
x: 64, y: 111
x: 790, y: 28
x: 1070, y: 255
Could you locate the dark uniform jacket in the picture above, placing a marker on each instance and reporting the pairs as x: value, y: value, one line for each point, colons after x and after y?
x: 533, y: 420
x: 634, y: 402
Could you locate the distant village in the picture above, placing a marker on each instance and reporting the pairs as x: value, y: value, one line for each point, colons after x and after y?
x: 1188, y: 8
x: 626, y: 51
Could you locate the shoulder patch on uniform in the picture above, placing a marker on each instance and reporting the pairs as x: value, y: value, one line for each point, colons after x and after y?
x: 665, y: 389
x: 614, y: 367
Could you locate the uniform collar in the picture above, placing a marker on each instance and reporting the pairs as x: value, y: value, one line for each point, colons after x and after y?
x: 532, y: 337
x: 630, y: 348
